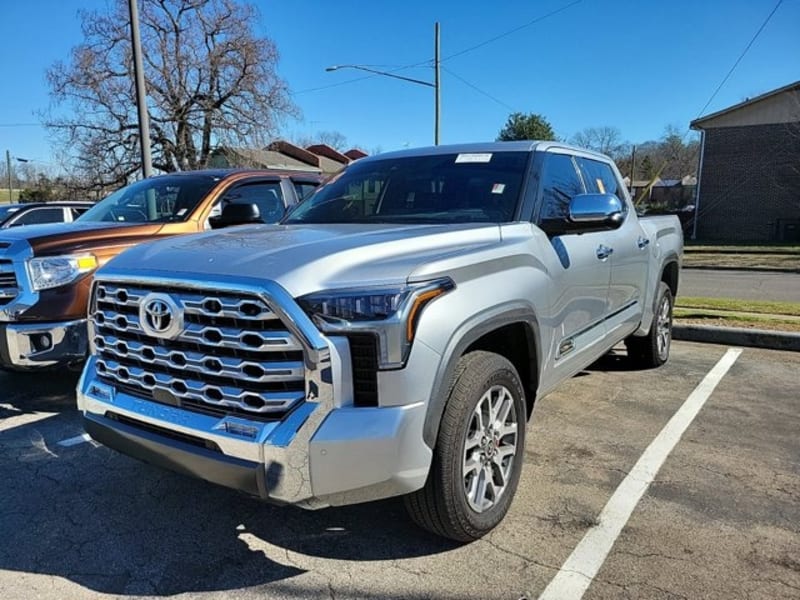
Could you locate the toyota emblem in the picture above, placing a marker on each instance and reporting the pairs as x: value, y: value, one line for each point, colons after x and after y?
x: 160, y: 316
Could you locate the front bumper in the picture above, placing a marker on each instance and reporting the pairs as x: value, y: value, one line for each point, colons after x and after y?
x: 324, y: 453
x: 29, y: 346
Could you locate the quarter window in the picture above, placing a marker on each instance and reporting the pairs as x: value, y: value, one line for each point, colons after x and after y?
x: 40, y: 215
x: 304, y: 189
x: 77, y: 212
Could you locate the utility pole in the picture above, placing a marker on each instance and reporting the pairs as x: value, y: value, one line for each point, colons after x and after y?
x: 8, y: 172
x: 633, y: 168
x: 141, y: 92
x: 699, y: 180
x: 437, y: 85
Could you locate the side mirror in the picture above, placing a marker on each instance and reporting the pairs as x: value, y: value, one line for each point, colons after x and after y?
x: 236, y: 214
x: 595, y: 211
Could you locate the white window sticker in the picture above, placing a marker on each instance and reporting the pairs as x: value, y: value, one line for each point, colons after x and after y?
x: 498, y: 188
x: 483, y: 157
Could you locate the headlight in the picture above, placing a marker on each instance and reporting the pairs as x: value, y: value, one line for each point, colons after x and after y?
x: 391, y: 313
x: 54, y: 271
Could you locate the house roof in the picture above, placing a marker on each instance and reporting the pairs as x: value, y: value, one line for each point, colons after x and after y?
x: 641, y: 183
x: 703, y: 122
x: 329, y: 152
x: 355, y: 154
x: 284, y: 155
x: 295, y: 152
x: 687, y: 180
x: 272, y: 159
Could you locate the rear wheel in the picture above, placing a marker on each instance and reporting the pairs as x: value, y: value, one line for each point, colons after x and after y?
x: 652, y: 350
x: 478, y: 456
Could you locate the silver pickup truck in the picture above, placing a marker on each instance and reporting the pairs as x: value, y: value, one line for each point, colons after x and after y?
x: 391, y: 337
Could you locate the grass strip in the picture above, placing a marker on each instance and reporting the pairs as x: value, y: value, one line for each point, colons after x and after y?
x: 689, y: 316
x: 743, y: 249
x: 785, y: 262
x: 732, y: 322
x: 734, y: 305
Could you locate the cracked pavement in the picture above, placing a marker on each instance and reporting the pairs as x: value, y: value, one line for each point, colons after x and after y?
x: 721, y: 520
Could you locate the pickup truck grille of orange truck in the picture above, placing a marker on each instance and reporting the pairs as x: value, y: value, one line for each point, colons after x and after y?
x: 212, y: 352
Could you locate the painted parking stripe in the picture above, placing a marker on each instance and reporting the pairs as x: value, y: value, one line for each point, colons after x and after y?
x: 576, y: 574
x: 23, y: 419
x: 74, y: 441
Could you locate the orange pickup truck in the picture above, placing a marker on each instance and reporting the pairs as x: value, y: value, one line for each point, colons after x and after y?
x: 46, y: 270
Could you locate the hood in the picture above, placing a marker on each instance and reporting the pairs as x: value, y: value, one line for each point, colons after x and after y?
x: 60, y: 238
x: 306, y: 258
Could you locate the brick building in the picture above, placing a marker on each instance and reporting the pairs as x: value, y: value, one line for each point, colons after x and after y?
x: 749, y: 179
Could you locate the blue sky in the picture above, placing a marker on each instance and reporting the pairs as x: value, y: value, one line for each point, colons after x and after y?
x: 638, y: 65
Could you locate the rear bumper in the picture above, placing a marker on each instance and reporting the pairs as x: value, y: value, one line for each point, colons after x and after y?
x: 32, y: 346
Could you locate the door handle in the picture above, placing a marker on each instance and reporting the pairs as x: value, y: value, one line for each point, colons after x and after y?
x: 603, y: 252
x: 642, y: 242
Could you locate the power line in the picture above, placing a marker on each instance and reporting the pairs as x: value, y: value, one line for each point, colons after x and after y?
x: 459, y: 53
x: 511, y: 31
x: 332, y: 85
x: 479, y: 90
x: 741, y: 56
x: 20, y: 124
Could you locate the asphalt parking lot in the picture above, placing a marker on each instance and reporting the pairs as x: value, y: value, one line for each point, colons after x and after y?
x: 721, y: 518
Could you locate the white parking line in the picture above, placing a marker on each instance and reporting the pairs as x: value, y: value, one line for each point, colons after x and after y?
x: 24, y: 419
x: 74, y: 441
x: 576, y: 574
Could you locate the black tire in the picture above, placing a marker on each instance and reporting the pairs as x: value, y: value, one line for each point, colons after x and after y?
x: 443, y: 506
x: 652, y: 350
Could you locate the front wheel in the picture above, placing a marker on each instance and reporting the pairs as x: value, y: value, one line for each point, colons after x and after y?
x: 652, y: 350
x: 478, y: 456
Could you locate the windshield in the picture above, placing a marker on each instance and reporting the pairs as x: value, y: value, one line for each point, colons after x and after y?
x: 156, y: 200
x: 441, y: 188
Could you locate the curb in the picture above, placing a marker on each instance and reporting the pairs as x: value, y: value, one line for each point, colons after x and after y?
x: 748, y: 269
x: 736, y: 336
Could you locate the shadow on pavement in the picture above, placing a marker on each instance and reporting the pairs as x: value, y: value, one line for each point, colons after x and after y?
x: 614, y: 361
x: 117, y: 526
x: 43, y: 391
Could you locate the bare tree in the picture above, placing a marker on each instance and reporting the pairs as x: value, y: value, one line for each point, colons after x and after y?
x: 677, y: 155
x: 335, y: 139
x: 606, y: 140
x: 210, y: 80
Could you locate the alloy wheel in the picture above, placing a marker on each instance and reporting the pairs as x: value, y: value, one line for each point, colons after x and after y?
x: 490, y: 448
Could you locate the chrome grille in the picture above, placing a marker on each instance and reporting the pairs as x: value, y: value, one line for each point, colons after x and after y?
x: 8, y: 282
x: 233, y: 356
